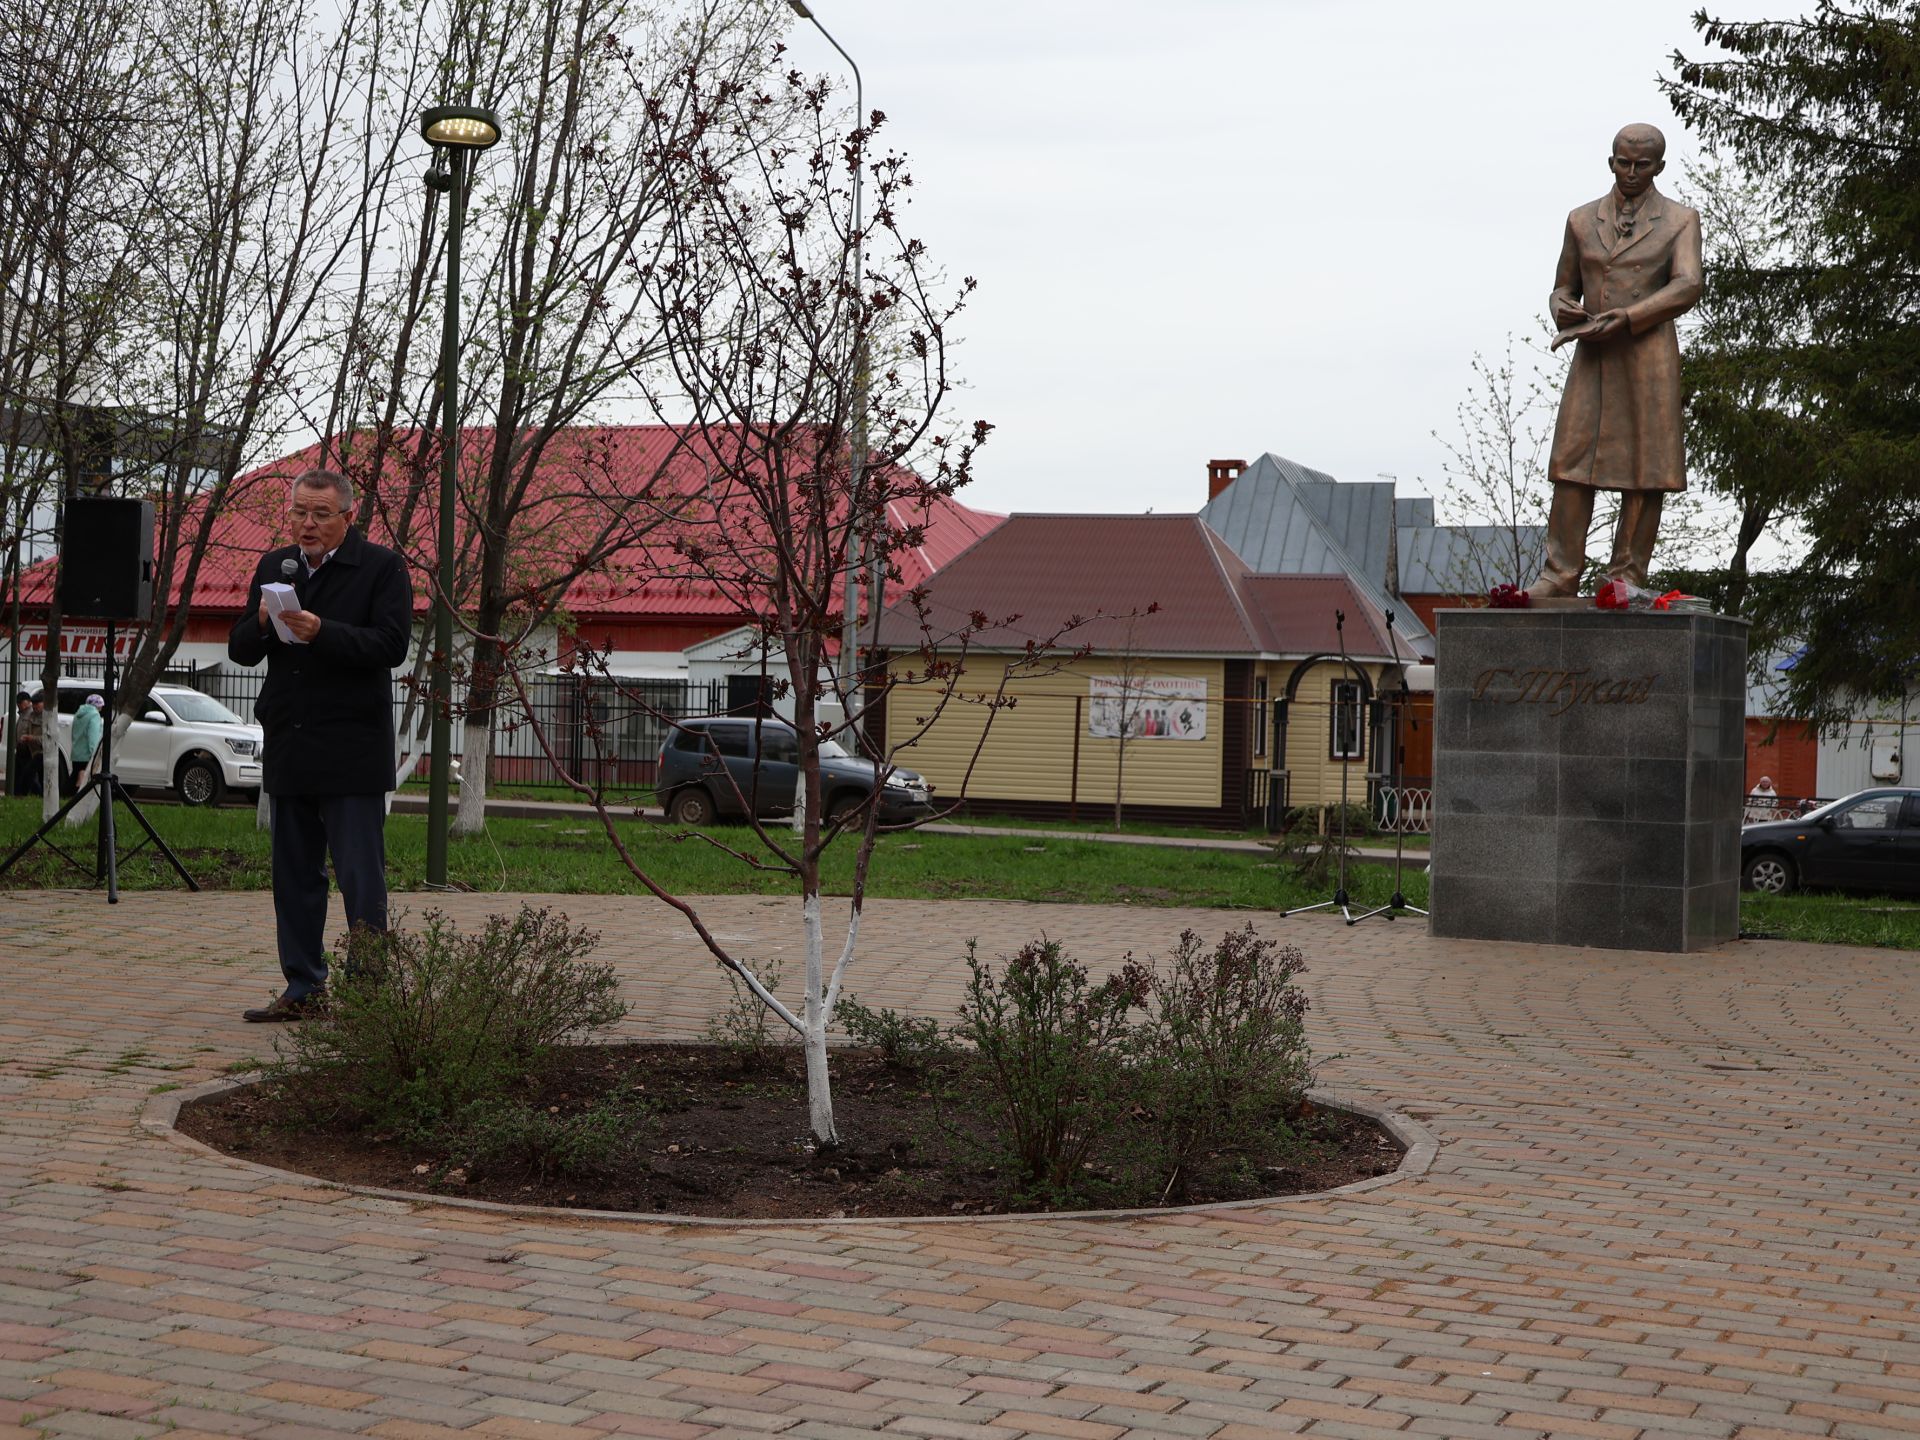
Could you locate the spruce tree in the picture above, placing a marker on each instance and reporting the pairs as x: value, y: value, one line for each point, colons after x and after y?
x: 1804, y: 376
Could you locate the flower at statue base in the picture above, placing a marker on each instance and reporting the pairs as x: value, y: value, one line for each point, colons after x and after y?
x: 1614, y: 595
x: 1508, y: 597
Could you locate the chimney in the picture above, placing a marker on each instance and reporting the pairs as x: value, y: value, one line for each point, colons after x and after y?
x: 1222, y: 473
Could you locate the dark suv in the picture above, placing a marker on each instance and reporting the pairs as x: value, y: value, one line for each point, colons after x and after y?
x: 716, y: 765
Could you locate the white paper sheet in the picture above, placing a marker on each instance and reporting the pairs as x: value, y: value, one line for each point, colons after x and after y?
x: 280, y: 599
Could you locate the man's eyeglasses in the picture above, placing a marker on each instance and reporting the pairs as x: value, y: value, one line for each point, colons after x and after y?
x: 318, y: 517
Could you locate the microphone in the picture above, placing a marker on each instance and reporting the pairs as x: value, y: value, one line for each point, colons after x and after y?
x: 289, y: 567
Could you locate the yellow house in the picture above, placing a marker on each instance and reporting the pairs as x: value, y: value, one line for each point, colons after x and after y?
x: 1066, y: 659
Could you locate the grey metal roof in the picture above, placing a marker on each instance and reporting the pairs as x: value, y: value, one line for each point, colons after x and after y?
x: 1359, y: 515
x: 1263, y: 518
x: 1281, y: 517
x: 1468, y: 559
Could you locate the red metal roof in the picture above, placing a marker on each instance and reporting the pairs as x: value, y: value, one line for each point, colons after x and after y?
x: 1034, y: 573
x: 643, y: 578
x: 1299, y: 611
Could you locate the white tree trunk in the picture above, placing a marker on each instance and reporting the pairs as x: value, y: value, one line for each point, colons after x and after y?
x: 263, y: 812
x: 416, y: 743
x: 814, y: 1038
x: 83, y: 812
x: 476, y: 746
x: 50, y: 766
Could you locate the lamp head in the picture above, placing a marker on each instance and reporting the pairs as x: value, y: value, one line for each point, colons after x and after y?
x: 466, y: 127
x: 799, y: 8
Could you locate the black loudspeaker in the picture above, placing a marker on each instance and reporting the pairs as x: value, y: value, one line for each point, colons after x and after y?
x: 106, y: 564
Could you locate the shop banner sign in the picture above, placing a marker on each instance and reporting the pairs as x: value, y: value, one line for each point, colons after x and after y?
x: 80, y: 642
x: 1171, y: 707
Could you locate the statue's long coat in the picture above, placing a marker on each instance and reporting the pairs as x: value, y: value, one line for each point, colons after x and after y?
x: 1620, y: 422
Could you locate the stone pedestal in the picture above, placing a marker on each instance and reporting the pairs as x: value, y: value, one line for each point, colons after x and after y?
x: 1588, y: 775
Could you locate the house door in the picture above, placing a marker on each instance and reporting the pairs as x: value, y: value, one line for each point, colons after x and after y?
x: 1415, y: 739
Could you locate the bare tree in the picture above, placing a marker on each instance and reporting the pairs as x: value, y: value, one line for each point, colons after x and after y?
x: 567, y: 215
x: 1496, y: 469
x: 1121, y: 714
x: 287, y: 125
x: 70, y: 249
x: 765, y: 321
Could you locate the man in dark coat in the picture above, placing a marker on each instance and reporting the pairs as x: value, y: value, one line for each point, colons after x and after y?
x: 327, y: 712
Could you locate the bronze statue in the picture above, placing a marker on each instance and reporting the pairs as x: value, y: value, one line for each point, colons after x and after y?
x: 1630, y: 264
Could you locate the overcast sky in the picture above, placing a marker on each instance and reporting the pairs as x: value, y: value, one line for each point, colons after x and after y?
x: 1221, y: 227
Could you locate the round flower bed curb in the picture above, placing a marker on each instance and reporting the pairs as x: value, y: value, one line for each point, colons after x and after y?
x: 1418, y: 1148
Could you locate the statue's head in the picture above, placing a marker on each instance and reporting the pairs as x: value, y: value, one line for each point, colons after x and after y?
x: 1639, y: 154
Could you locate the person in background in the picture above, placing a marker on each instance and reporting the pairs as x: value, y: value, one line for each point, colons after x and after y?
x: 1763, y: 804
x: 87, y: 725
x: 23, y: 776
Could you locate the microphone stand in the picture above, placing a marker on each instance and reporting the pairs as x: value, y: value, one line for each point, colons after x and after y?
x: 1340, y: 900
x: 1398, y: 905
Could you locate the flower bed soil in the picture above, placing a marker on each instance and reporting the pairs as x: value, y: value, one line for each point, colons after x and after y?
x: 732, y: 1142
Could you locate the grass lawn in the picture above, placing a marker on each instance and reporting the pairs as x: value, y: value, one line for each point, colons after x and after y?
x: 223, y: 850
x: 1832, y: 919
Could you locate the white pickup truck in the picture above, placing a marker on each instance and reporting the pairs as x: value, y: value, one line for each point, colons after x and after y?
x: 185, y: 742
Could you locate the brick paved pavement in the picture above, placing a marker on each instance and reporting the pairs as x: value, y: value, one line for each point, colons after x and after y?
x: 1675, y: 1196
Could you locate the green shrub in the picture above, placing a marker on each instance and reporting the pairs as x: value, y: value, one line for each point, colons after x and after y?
x: 1223, y: 1051
x: 511, y: 1134
x: 1311, y: 817
x: 1312, y: 854
x: 420, y: 1026
x: 912, y: 1042
x: 747, y: 1029
x: 1050, y: 1045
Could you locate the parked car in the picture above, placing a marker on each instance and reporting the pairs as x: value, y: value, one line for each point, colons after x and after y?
x: 710, y: 766
x: 185, y: 742
x: 1869, y: 841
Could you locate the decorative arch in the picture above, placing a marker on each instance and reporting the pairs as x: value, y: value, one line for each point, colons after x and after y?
x: 1333, y: 656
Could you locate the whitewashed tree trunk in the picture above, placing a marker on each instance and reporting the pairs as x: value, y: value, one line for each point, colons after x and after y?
x: 814, y: 1039
x: 476, y: 749
x: 263, y: 810
x: 50, y: 767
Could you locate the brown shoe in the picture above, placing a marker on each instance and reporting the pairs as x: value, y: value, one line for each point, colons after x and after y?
x: 284, y: 1009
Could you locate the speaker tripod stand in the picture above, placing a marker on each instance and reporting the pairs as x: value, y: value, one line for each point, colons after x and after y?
x: 106, y: 785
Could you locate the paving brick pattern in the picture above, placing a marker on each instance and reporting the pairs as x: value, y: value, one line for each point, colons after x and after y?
x: 1675, y: 1196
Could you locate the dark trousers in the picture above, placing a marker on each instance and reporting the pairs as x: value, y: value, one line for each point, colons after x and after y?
x: 305, y: 829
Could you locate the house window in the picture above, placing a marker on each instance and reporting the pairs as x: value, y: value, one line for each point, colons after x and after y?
x: 1260, y: 709
x: 1346, y: 739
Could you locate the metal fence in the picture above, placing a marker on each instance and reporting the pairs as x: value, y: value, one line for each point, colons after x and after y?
x: 602, y: 731
x: 1407, y: 808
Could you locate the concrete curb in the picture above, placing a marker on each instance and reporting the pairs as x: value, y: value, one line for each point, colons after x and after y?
x: 1419, y: 1147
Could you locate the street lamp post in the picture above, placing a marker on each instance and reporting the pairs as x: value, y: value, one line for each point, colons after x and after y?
x: 458, y: 133
x: 857, y: 459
